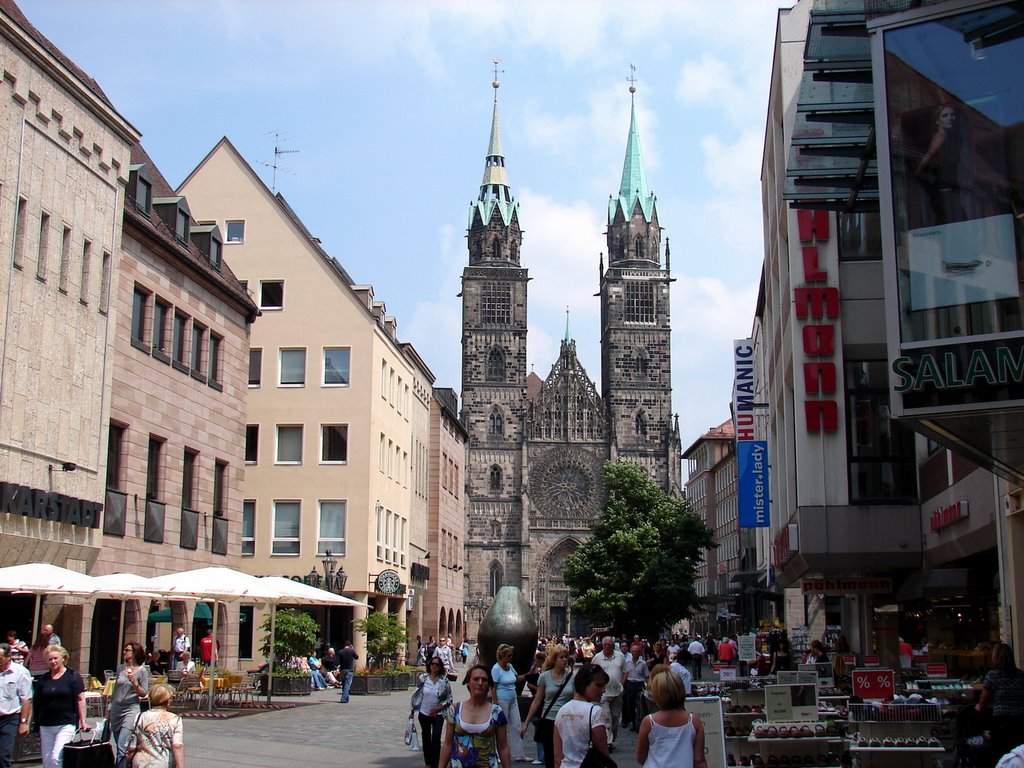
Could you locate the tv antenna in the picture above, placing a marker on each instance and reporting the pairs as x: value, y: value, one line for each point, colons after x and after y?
x: 277, y: 159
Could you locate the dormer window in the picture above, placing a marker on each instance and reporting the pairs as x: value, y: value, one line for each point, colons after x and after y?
x: 206, y: 237
x: 174, y: 213
x: 139, y: 191
x: 215, y: 247
x: 181, y: 226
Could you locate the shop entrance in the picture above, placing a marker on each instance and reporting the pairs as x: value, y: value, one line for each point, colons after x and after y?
x: 18, y: 611
x: 104, y: 655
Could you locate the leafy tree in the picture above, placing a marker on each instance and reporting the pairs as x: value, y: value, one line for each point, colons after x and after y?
x: 294, y: 634
x: 384, y: 635
x: 637, y: 572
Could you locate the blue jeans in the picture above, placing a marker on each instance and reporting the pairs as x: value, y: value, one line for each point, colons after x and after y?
x: 317, y: 680
x: 8, y: 733
x: 346, y: 683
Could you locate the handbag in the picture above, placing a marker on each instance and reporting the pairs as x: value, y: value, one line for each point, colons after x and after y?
x: 414, y: 741
x: 595, y: 758
x: 94, y: 753
x: 410, y: 729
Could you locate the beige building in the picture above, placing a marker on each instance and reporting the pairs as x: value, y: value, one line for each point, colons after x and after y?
x: 338, y: 409
x: 63, y: 167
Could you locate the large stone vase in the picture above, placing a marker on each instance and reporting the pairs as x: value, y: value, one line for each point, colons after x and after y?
x: 509, y: 620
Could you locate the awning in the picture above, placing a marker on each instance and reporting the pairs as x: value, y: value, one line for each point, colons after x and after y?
x: 164, y: 616
x: 942, y: 582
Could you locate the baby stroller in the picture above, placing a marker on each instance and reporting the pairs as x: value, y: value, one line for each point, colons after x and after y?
x: 972, y: 749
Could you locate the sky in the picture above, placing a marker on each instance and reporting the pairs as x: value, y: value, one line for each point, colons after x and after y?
x: 380, y: 112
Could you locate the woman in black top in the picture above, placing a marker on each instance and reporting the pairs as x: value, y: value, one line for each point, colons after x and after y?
x: 58, y: 700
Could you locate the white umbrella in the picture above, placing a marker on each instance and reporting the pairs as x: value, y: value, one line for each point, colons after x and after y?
x: 291, y: 592
x: 216, y: 584
x: 122, y: 586
x: 42, y: 579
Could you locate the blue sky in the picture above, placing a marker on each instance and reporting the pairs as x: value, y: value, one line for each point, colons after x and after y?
x: 384, y: 108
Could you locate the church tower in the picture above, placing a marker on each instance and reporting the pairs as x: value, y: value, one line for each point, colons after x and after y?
x: 494, y: 378
x: 636, y: 375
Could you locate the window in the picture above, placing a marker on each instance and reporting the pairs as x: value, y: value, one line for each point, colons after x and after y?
x: 336, y: 362
x: 286, y: 528
x: 249, y: 527
x: 496, y: 304
x: 252, y: 443
x: 213, y: 361
x: 398, y: 393
x: 115, y: 456
x: 255, y: 367
x: 19, y: 232
x: 331, y: 528
x: 401, y: 543
x: 43, y: 252
x: 105, y: 277
x: 188, y: 479
x: 197, y: 347
x: 380, y: 532
x: 83, y: 295
x: 495, y: 365
x: 495, y: 579
x: 236, y: 231
x: 143, y: 194
x: 639, y: 306
x: 220, y: 488
x: 65, y: 260
x: 181, y: 225
x: 640, y: 425
x: 154, y: 468
x: 333, y: 443
x: 271, y: 294
x: 293, y: 368
x: 384, y: 379
x: 860, y: 236
x: 495, y: 479
x: 382, y: 460
x: 140, y: 307
x: 215, y: 247
x: 389, y: 532
x: 496, y: 423
x: 178, y: 353
x: 289, y: 444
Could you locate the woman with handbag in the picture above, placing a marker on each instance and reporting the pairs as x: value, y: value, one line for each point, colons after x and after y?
x: 581, y: 726
x: 432, y: 697
x: 671, y: 737
x: 59, y: 703
x: 553, y: 691
x: 130, y: 690
x: 157, y: 738
x: 476, y: 730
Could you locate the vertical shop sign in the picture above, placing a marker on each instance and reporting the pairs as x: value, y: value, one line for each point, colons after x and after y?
x: 751, y: 454
x: 815, y: 306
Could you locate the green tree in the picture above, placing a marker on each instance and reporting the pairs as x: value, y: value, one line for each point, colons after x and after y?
x: 384, y: 635
x: 637, y: 572
x: 294, y: 634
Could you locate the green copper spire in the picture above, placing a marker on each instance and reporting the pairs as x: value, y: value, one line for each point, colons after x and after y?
x: 495, y: 193
x: 633, y: 187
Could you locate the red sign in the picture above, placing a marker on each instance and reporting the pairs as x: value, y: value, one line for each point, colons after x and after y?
x: 850, y: 660
x: 946, y: 516
x: 936, y: 670
x: 818, y: 304
x: 873, y: 683
x: 871, y: 661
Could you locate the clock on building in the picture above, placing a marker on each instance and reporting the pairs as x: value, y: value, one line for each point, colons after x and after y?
x: 388, y: 583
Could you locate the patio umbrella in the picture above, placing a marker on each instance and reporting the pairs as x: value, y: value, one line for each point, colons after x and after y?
x: 122, y: 586
x: 44, y: 579
x: 291, y: 592
x: 217, y: 584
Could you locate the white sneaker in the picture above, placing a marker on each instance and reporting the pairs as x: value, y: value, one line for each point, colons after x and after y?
x: 537, y: 762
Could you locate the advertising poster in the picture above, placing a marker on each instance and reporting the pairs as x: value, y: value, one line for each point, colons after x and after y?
x: 747, y: 647
x: 751, y: 453
x: 709, y: 710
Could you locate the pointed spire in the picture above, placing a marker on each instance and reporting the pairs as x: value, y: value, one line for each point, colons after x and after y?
x: 633, y: 186
x: 494, y: 188
x: 568, y: 338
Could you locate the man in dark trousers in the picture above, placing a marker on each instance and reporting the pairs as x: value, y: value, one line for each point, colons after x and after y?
x: 347, y: 658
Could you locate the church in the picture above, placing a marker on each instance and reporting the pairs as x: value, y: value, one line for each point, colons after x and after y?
x: 537, y: 446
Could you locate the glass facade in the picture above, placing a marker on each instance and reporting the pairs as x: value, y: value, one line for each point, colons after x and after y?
x: 955, y: 114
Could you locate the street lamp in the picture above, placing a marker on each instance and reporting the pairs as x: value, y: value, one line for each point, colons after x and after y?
x: 477, y: 608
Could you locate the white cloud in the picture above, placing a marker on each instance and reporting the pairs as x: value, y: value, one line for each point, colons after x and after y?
x: 736, y: 166
x: 706, y: 79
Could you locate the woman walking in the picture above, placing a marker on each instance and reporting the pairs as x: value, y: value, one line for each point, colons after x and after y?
x: 59, y: 704
x: 36, y: 660
x: 554, y: 689
x: 432, y: 697
x: 671, y: 737
x: 157, y: 738
x: 505, y: 696
x: 581, y: 722
x: 476, y: 730
x: 130, y: 688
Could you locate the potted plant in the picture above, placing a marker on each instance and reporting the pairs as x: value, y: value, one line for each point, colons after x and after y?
x: 294, y: 636
x: 384, y: 635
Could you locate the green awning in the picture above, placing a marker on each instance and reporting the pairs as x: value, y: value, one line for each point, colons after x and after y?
x: 164, y: 616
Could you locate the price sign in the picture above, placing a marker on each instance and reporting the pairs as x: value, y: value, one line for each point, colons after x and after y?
x: 850, y: 660
x: 873, y: 683
x: 726, y: 673
x: 747, y: 647
x: 871, y: 661
x: 936, y: 670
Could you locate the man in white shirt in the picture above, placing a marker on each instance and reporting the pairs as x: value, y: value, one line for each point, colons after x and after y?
x: 696, y: 649
x: 444, y: 653
x: 15, y: 703
x: 179, y: 645
x: 680, y: 669
x: 611, y: 660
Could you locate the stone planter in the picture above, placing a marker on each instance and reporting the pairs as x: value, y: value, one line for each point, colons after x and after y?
x: 402, y: 681
x: 367, y: 685
x: 291, y: 686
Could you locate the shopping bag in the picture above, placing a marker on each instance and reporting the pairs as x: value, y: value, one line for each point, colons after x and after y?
x: 414, y: 741
x: 88, y: 753
x: 410, y: 729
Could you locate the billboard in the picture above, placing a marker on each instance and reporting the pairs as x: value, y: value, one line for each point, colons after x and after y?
x: 751, y: 453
